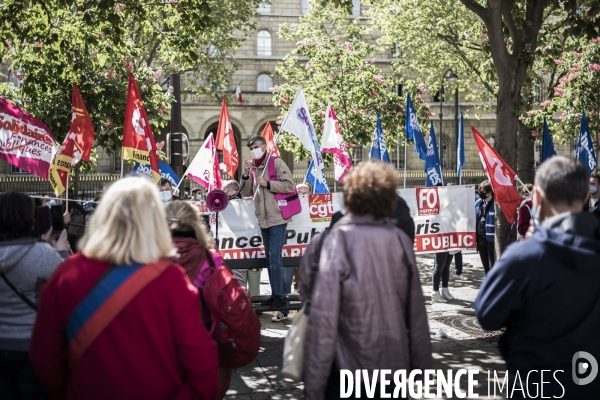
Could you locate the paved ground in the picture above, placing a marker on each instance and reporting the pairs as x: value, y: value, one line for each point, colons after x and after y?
x: 458, y: 343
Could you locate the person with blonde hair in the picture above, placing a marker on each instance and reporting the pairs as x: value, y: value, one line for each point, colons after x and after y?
x: 118, y: 320
x: 367, y: 308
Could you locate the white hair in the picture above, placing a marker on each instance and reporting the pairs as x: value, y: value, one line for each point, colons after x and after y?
x: 129, y: 225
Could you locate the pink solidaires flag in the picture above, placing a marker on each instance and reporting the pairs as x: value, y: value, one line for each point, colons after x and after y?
x: 333, y: 143
x: 25, y: 142
x: 204, y: 168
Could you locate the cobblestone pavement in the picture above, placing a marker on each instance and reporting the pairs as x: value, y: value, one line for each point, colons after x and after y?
x: 458, y: 342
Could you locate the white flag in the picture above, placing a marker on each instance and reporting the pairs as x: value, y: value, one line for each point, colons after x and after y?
x: 333, y: 142
x: 204, y: 168
x: 298, y: 122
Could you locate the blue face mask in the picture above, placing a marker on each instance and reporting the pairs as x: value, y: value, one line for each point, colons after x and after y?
x: 534, y: 215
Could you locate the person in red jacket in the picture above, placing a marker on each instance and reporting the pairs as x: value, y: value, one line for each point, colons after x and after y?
x: 192, y: 242
x: 157, y: 346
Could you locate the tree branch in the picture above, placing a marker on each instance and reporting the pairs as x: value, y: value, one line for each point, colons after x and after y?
x: 476, y: 8
x: 509, y: 21
x: 468, y: 62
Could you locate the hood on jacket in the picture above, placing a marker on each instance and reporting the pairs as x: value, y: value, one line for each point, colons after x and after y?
x: 11, y: 252
x: 573, y: 239
x: 190, y: 255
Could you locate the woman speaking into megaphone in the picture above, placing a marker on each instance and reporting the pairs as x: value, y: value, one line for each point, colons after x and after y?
x: 275, y: 202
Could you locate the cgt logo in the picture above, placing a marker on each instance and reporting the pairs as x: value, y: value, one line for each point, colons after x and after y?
x: 428, y: 201
x: 320, y: 207
x: 584, y: 363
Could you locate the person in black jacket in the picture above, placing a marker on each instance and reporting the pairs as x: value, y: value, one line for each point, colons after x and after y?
x: 546, y: 290
x: 401, y: 214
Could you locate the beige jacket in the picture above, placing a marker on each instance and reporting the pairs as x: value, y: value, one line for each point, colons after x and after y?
x: 367, y: 308
x: 265, y: 206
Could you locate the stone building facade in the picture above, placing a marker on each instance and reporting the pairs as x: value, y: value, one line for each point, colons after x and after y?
x: 258, y: 56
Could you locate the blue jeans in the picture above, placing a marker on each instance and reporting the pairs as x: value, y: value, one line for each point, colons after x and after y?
x: 273, y: 240
x: 18, y: 381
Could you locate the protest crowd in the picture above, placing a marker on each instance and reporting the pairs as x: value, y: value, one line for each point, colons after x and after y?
x: 138, y: 301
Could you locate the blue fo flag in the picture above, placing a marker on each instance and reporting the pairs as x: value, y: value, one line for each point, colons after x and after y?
x: 584, y: 151
x: 413, y: 129
x: 165, y: 172
x: 460, y: 150
x: 378, y: 148
x: 547, y: 145
x: 319, y: 187
x: 433, y: 167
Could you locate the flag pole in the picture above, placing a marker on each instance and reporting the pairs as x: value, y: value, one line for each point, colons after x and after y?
x: 523, y: 185
x: 67, y: 193
x: 405, y: 146
x: 121, y: 166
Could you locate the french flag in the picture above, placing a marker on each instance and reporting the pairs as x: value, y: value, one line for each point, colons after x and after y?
x: 238, y: 94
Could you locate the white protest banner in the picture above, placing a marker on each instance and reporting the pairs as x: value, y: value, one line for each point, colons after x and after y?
x: 444, y: 220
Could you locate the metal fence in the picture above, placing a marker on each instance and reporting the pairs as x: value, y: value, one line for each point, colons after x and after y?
x: 92, y: 186
x: 89, y: 187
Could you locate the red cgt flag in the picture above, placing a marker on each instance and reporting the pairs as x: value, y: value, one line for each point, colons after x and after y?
x: 269, y: 138
x: 226, y: 141
x: 501, y: 177
x: 138, y: 140
x: 76, y: 146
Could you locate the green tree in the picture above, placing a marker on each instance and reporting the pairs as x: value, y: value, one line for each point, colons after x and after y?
x: 576, y: 91
x: 54, y: 44
x: 334, y: 65
x: 513, y: 30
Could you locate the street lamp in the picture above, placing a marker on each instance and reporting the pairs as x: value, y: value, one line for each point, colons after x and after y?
x: 452, y: 78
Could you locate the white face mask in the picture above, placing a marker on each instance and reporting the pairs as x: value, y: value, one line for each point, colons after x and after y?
x: 257, y: 153
x: 593, y: 189
x: 166, y: 195
x: 199, y: 197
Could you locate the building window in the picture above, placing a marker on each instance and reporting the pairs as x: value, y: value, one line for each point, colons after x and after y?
x: 264, y: 83
x: 305, y: 4
x: 17, y: 170
x: 117, y: 161
x: 397, y: 51
x: 360, y: 154
x: 263, y: 44
x: 356, y: 8
x: 12, y: 78
x: 537, y: 153
x: 265, y: 7
x: 444, y: 153
x: 538, y: 91
x: 396, y: 152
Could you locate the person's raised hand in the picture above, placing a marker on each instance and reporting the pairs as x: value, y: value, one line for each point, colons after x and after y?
x: 247, y: 166
x: 62, y: 244
x: 66, y: 217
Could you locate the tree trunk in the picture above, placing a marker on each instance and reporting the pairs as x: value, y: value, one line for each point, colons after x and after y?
x: 525, y: 156
x: 507, y: 126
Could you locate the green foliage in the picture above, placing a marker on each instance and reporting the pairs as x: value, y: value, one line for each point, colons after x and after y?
x: 576, y: 91
x: 333, y: 65
x: 93, y: 43
x: 427, y: 38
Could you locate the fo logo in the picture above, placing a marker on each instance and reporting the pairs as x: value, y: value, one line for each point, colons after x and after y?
x: 428, y: 201
x: 584, y: 363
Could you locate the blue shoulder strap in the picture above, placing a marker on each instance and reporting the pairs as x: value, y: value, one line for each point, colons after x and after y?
x: 97, y: 296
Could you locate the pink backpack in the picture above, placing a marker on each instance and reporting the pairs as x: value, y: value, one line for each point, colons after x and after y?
x: 234, y: 325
